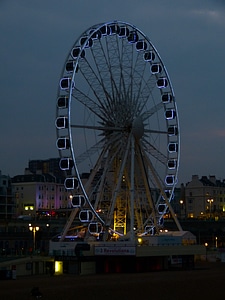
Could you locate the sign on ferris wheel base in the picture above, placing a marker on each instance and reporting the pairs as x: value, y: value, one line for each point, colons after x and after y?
x: 115, y: 250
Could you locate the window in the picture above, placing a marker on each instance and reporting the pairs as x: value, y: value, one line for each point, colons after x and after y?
x: 28, y: 206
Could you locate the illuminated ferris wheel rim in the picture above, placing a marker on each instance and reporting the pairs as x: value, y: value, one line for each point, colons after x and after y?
x: 137, y: 126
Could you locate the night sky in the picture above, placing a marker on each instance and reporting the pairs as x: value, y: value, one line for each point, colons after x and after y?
x: 36, y: 36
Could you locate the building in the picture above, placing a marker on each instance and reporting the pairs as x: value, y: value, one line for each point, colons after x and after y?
x: 7, y: 205
x: 205, y: 197
x: 40, y: 190
x: 38, y: 194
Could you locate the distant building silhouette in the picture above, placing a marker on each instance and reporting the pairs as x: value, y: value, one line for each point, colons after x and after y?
x: 47, y: 166
x: 7, y: 205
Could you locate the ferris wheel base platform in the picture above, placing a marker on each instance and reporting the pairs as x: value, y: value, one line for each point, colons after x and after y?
x: 143, y: 255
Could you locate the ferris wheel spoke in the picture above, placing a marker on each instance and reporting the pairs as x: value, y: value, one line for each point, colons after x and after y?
x: 95, y: 84
x: 109, y: 77
x: 120, y: 76
x: 104, y: 143
x: 156, y: 131
x: 94, y: 107
x: 142, y: 87
x: 102, y: 128
x: 145, y: 92
x: 111, y: 69
x: 147, y: 114
x: 138, y: 76
x: 89, y: 152
x: 104, y: 71
x: 125, y: 69
x: 153, y: 151
x: 155, y: 175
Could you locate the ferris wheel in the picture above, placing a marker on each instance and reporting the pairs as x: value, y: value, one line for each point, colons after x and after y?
x: 117, y: 132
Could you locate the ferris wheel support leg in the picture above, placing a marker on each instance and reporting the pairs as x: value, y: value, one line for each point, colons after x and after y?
x: 132, y: 192
x: 116, y: 190
x: 68, y: 224
x: 172, y: 213
x: 164, y: 195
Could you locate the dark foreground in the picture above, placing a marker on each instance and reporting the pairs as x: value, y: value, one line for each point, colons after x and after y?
x: 206, y: 281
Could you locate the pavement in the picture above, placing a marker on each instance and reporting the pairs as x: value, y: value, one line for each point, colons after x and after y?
x: 206, y: 281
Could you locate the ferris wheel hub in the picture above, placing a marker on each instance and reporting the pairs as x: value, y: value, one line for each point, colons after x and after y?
x: 138, y: 128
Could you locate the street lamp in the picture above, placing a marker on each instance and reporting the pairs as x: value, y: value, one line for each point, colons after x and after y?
x: 34, y: 229
x: 210, y: 201
x: 182, y: 208
x: 206, y: 247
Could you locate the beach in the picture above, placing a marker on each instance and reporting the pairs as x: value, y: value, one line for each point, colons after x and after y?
x: 205, y: 281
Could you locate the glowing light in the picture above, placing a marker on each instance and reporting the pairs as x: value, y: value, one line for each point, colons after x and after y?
x: 140, y: 240
x: 34, y: 229
x: 58, y: 267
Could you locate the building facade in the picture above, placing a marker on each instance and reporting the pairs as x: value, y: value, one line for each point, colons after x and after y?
x: 41, y: 190
x: 205, y: 198
x: 7, y: 204
x: 38, y: 193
